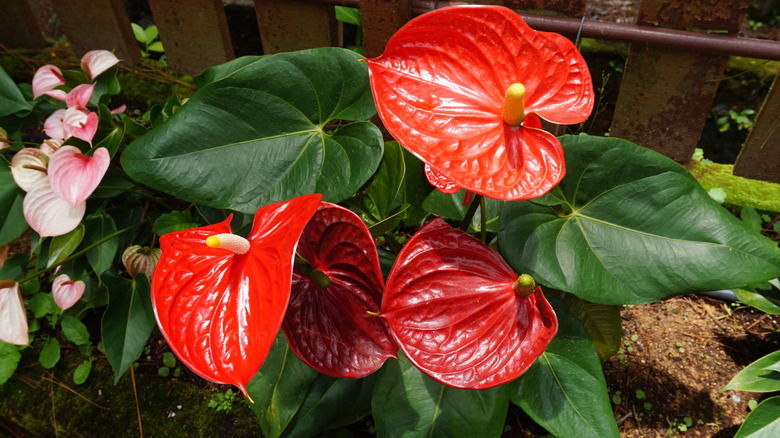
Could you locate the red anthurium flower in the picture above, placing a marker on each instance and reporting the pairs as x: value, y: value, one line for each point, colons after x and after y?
x: 219, y: 298
x: 462, y: 88
x: 331, y: 322
x: 460, y: 313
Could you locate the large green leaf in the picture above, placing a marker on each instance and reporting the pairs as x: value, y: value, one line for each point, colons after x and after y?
x: 763, y: 421
x: 407, y: 403
x: 12, y: 222
x: 632, y: 227
x: 564, y: 390
x: 601, y: 321
x: 279, y: 388
x: 128, y: 321
x: 270, y: 131
x: 331, y: 402
x: 64, y: 245
x: 384, y: 188
x: 9, y: 359
x: 763, y: 375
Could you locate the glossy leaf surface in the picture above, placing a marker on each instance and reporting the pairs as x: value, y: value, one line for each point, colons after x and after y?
x: 335, y: 329
x: 281, y: 134
x: 279, y: 388
x: 452, y: 309
x: 564, y: 390
x: 407, y: 403
x: 12, y: 223
x: 631, y: 227
x: 440, y: 87
x: 763, y: 421
x: 220, y: 311
x: 763, y: 375
x: 128, y: 321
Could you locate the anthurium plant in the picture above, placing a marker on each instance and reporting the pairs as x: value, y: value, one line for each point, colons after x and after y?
x: 282, y: 244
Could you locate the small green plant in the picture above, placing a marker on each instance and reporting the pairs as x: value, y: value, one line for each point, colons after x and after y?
x: 222, y: 402
x: 169, y: 362
x: 742, y: 120
x: 681, y: 425
x: 147, y: 38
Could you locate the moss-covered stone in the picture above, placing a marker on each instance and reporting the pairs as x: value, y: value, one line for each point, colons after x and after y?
x: 740, y: 192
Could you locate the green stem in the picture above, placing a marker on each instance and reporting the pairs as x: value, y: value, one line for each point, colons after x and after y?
x: 83, y: 251
x: 475, y: 202
x: 483, y: 221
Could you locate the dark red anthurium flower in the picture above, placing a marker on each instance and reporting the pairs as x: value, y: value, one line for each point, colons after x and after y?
x: 332, y: 322
x: 463, y: 88
x: 219, y: 298
x: 461, y: 314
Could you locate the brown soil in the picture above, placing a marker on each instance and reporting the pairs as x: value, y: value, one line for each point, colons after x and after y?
x: 680, y: 353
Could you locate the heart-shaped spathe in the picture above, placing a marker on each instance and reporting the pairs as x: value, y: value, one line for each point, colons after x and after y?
x: 66, y: 292
x: 74, y: 176
x: 49, y: 214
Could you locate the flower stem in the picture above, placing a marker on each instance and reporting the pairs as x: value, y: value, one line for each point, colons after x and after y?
x: 82, y: 252
x: 476, y: 202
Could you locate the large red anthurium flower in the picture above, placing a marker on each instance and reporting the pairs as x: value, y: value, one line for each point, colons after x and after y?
x: 219, y: 298
x: 332, y: 322
x: 463, y: 87
x: 461, y: 314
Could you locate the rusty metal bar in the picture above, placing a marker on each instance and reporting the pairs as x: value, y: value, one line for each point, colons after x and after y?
x: 630, y: 33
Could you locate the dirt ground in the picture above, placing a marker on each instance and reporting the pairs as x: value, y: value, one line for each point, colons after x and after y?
x: 676, y: 357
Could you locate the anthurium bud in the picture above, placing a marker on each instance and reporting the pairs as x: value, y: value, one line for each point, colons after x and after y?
x: 232, y: 242
x: 524, y: 286
x: 514, y: 104
x: 142, y: 259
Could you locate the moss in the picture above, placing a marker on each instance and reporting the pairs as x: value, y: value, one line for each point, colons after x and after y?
x: 741, y: 192
x: 32, y: 399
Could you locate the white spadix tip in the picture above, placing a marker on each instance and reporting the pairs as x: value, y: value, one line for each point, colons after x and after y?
x: 231, y: 242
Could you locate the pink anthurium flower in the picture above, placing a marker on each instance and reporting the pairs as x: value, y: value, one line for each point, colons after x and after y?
x: 49, y: 214
x: 463, y: 87
x: 461, y: 314
x: 331, y: 322
x: 13, y: 319
x: 219, y: 298
x: 96, y: 62
x: 74, y: 176
x: 79, y: 96
x: 28, y: 166
x: 80, y: 123
x: 54, y: 126
x: 46, y: 80
x: 66, y: 292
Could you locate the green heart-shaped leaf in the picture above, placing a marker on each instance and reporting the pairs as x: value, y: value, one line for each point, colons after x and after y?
x: 270, y: 131
x: 634, y: 227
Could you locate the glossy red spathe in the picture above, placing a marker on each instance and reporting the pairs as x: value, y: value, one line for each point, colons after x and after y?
x: 440, y: 88
x: 220, y: 311
x: 452, y: 308
x: 334, y: 328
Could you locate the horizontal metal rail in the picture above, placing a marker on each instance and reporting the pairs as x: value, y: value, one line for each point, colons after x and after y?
x: 630, y: 33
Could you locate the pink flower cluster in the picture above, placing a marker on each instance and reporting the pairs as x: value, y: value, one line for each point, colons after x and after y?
x: 58, y: 179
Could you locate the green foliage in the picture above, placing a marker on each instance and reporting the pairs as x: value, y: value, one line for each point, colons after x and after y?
x: 147, y: 38
x: 222, y: 402
x: 741, y: 120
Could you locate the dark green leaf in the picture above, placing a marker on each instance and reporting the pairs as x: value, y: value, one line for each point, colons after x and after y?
x: 9, y: 359
x: 406, y: 402
x: 451, y: 207
x: 564, y: 390
x: 279, y: 387
x: 263, y: 134
x: 128, y: 321
x: 174, y: 221
x: 763, y: 421
x: 42, y: 304
x: 12, y: 222
x: 97, y: 228
x: 50, y: 354
x: 635, y: 227
x: 750, y: 216
x: 414, y: 190
x: 221, y: 71
x: 64, y: 245
x: 758, y: 376
x: 331, y: 402
x: 602, y: 322
x: 11, y: 99
x: 384, y: 188
x: 75, y: 330
x: 766, y: 299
